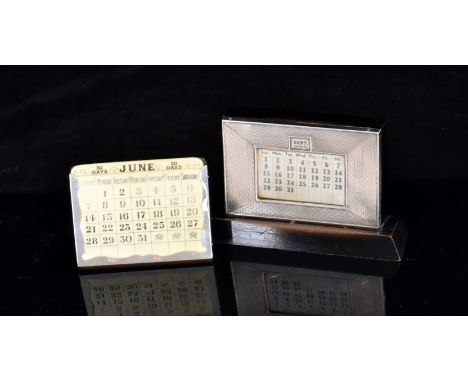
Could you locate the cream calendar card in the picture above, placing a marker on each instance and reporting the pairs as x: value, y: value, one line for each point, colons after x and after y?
x: 141, y: 212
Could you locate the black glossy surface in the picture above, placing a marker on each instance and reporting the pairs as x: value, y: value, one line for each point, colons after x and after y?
x: 39, y: 274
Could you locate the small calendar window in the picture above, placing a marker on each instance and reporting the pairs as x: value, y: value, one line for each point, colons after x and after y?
x: 289, y: 176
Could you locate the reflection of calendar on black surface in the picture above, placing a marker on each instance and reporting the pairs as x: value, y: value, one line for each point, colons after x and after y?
x: 294, y: 294
x: 285, y: 290
x: 290, y: 176
x: 169, y: 292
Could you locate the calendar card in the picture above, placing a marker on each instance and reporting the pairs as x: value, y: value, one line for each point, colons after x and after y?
x: 141, y: 212
x: 288, y: 176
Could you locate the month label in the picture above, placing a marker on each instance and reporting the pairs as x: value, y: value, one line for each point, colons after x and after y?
x: 291, y: 176
x: 140, y: 208
x: 302, y: 144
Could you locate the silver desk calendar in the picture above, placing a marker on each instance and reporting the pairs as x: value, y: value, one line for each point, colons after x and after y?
x: 141, y: 212
x: 178, y: 291
x: 264, y: 289
x: 302, y: 171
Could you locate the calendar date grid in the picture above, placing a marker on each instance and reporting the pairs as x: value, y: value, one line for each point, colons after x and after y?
x: 143, y: 216
x: 292, y: 177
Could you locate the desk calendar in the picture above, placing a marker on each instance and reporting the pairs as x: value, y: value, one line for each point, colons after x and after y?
x: 141, y: 212
x: 264, y: 289
x: 183, y: 291
x: 302, y: 171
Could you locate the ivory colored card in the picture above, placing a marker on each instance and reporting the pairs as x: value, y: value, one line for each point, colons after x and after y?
x: 141, y: 212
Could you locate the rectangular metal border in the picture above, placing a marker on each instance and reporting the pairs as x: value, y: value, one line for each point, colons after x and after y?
x: 374, y: 221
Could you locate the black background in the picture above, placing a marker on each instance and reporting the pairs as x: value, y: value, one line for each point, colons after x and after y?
x: 54, y: 118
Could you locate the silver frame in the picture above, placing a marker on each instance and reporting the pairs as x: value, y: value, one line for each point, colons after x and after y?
x: 360, y: 145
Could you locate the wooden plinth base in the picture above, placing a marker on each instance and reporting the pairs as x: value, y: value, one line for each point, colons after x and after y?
x: 387, y: 243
